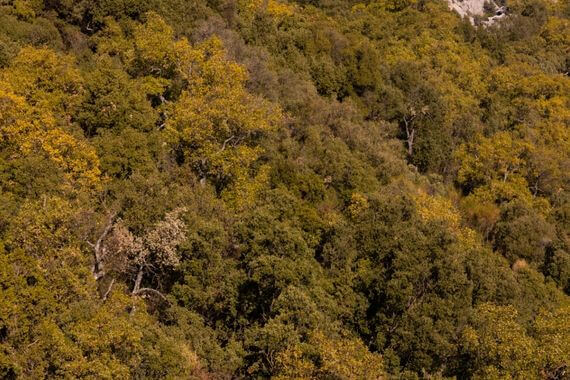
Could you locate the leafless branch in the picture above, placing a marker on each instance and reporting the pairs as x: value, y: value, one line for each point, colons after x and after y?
x: 226, y: 142
x: 151, y: 291
x: 106, y: 295
x: 98, y: 250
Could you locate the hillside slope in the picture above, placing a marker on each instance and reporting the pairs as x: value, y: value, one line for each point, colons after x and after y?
x: 220, y: 189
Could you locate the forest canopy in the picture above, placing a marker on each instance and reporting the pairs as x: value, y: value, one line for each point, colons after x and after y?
x: 329, y: 189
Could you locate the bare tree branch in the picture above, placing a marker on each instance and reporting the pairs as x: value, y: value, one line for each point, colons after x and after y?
x: 98, y: 251
x: 138, y: 280
x: 106, y: 295
x: 152, y: 291
x: 226, y: 142
x: 410, y: 133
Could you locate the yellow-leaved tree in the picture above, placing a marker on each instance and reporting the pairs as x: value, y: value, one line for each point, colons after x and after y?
x: 36, y: 139
x: 216, y: 122
x: 213, y: 123
x: 341, y: 357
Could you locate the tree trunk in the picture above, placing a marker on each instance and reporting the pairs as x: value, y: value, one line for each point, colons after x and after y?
x: 99, y: 252
x: 106, y: 295
x: 410, y: 134
x: 138, y: 280
x: 411, y: 142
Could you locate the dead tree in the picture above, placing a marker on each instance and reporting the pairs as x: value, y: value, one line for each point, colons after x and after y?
x: 100, y: 251
x: 410, y: 132
x: 118, y: 252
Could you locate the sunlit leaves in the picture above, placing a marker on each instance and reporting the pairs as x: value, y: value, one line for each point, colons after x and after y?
x: 498, y: 345
x: 216, y: 120
x: 29, y: 131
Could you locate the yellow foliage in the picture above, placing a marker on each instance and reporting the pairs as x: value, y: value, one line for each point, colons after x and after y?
x: 294, y: 365
x: 113, y: 42
x: 45, y: 79
x: 154, y: 44
x: 154, y: 38
x: 273, y: 8
x: 440, y: 209
x: 245, y: 188
x: 38, y: 91
x: 151, y: 49
x: 437, y: 208
x: 27, y: 8
x: 358, y: 205
x: 330, y: 215
x: 42, y: 225
x: 338, y: 357
x: 27, y: 130
x: 553, y: 335
x: 396, y: 5
x: 481, y: 213
x: 486, y: 159
x: 347, y: 358
x: 555, y: 31
x: 500, y: 346
x: 216, y: 119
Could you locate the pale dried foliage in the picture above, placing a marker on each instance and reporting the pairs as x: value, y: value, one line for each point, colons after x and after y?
x: 163, y: 239
x: 519, y: 265
x: 156, y: 248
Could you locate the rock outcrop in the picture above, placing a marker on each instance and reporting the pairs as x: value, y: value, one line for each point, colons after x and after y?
x: 483, y: 12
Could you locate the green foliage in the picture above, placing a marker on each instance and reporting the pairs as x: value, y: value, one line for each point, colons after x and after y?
x: 498, y: 345
x: 281, y: 189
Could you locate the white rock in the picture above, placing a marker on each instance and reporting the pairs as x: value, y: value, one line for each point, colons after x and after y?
x: 472, y: 8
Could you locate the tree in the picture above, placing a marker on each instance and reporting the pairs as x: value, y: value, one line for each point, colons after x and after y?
x: 34, y: 134
x: 498, y: 346
x: 216, y: 122
x: 553, y: 337
x: 415, y: 106
x: 118, y: 251
x: 329, y: 357
x: 46, y: 80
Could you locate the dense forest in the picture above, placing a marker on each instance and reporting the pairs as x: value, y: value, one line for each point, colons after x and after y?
x: 311, y: 189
